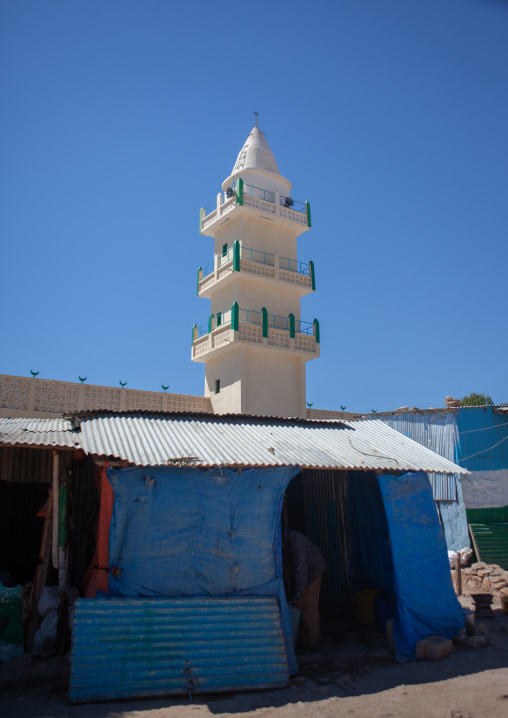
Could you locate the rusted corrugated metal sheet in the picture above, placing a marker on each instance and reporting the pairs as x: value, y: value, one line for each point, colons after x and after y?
x: 155, y: 440
x: 126, y: 647
x: 324, y: 502
x: 24, y: 465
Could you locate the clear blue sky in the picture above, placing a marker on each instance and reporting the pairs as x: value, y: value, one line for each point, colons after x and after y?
x: 120, y: 119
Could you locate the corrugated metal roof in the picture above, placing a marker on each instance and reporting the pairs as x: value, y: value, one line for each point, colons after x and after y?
x: 39, y: 432
x: 126, y: 647
x: 155, y: 440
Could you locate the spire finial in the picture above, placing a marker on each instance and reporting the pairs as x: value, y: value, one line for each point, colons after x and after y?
x: 256, y: 114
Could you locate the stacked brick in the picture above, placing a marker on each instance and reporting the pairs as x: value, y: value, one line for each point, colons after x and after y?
x: 485, y: 578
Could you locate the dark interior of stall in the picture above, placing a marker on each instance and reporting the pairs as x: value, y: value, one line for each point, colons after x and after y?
x: 26, y: 523
x: 342, y: 513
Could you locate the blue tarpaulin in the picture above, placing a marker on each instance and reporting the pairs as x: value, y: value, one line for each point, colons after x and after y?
x: 199, y: 532
x: 426, y: 602
x: 372, y: 564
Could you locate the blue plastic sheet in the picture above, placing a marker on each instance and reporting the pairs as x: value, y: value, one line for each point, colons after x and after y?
x: 426, y: 602
x: 371, y: 564
x: 199, y: 532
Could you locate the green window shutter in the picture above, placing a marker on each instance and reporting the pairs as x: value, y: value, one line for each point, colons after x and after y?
x: 292, y: 329
x: 239, y: 191
x: 236, y: 256
x: 200, y: 277
x: 234, y: 316
x: 211, y: 323
x: 224, y: 249
x: 307, y: 207
x: 316, y: 330
x: 219, y: 318
x: 194, y: 333
x: 312, y: 275
x: 201, y: 218
x: 264, y: 313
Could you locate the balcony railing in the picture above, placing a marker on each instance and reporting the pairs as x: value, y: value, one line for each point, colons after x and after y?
x: 239, y: 258
x: 243, y: 194
x: 236, y: 314
x: 240, y: 326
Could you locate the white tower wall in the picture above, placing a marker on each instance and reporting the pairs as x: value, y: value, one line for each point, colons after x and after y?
x: 254, y: 359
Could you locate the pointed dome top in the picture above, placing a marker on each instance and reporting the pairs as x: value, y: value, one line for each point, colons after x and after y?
x: 256, y: 154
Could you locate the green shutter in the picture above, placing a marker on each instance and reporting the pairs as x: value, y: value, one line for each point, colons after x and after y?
x: 307, y: 207
x: 200, y: 276
x: 312, y: 275
x: 201, y: 217
x: 211, y: 323
x: 292, y: 325
x: 234, y: 316
x: 194, y: 333
x: 239, y: 191
x: 264, y: 313
x: 236, y: 256
x: 316, y: 330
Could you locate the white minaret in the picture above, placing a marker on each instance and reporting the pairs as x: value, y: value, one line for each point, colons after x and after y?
x: 254, y: 344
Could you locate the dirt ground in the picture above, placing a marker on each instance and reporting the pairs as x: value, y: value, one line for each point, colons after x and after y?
x: 354, y: 675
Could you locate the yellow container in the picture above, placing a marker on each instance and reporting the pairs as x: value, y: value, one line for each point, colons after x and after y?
x: 365, y: 606
x: 504, y: 604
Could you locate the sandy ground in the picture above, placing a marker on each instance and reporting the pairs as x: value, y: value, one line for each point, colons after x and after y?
x: 354, y: 675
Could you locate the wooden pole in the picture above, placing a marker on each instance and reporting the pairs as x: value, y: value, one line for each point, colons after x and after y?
x: 63, y: 574
x: 458, y: 574
x: 56, y: 507
x: 40, y: 574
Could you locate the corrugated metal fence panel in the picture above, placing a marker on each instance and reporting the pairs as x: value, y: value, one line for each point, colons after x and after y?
x: 436, y: 431
x: 125, y: 648
x: 491, y: 543
x: 483, y: 439
x: 444, y: 486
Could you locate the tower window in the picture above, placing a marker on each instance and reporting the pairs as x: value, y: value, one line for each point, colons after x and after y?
x: 217, y: 386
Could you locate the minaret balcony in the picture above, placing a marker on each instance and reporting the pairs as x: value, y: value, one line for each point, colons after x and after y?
x: 255, y: 265
x: 241, y: 198
x: 270, y: 332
